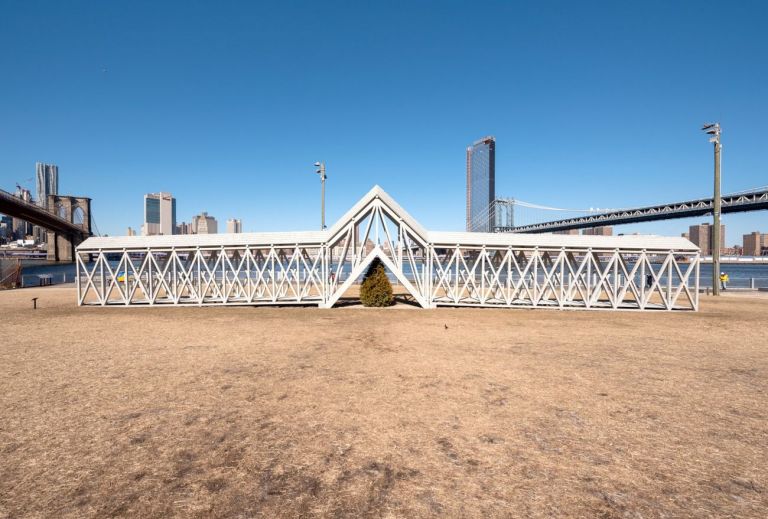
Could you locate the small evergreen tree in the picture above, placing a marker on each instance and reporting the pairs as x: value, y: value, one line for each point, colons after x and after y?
x: 376, y: 289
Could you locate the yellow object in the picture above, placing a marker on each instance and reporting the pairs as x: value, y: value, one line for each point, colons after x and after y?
x: 724, y: 278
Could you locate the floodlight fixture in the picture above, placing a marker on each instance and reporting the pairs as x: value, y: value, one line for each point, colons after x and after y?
x: 712, y: 129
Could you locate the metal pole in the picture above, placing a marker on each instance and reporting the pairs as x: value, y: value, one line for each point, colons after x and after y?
x: 716, y: 218
x: 321, y: 171
x: 713, y: 129
x: 322, y: 197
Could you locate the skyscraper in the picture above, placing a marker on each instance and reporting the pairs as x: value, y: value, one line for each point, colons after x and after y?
x: 755, y: 243
x: 47, y: 182
x: 159, y: 214
x: 598, y: 231
x: 481, y: 184
x: 204, y: 224
x: 6, y: 228
x: 234, y: 225
x: 701, y: 236
x: 22, y: 228
x: 184, y: 228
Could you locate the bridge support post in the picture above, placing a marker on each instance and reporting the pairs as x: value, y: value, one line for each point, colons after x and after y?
x: 61, y: 247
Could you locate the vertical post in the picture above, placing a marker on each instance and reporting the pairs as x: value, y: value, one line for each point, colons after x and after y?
x: 127, y: 282
x: 716, y: 217
x: 77, y: 280
x: 102, y: 291
x: 482, y: 276
x: 322, y: 200
x: 713, y: 129
x: 535, y: 292
x: 174, y: 285
x: 248, y: 261
x: 616, y: 279
x: 563, y: 273
x: 149, y: 277
x: 223, y: 260
x: 321, y: 171
x: 588, y: 259
x: 643, y: 282
x: 698, y: 265
x: 326, y: 262
x: 669, y: 279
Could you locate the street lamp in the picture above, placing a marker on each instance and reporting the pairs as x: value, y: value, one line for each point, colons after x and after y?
x: 713, y: 129
x: 321, y: 171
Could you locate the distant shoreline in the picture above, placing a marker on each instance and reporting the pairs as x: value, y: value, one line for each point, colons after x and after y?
x: 738, y: 260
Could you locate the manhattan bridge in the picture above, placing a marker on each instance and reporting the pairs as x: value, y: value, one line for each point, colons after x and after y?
x: 513, y: 215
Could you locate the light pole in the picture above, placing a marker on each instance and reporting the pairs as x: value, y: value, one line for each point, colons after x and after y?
x: 713, y: 129
x: 321, y: 171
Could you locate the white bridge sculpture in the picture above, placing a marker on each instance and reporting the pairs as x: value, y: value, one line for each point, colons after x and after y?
x: 435, y: 268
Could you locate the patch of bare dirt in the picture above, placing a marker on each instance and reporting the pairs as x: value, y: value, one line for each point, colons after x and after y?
x: 286, y: 412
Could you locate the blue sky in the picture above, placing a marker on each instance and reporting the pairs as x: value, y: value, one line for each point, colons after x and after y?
x: 228, y: 104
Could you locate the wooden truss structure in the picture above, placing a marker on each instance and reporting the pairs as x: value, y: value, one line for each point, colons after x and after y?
x: 435, y: 268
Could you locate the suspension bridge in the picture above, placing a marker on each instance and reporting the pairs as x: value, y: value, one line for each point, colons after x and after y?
x: 68, y: 222
x: 513, y: 215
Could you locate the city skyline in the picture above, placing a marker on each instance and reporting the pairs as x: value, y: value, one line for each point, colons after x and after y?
x: 160, y: 219
x: 737, y: 240
x: 580, y: 123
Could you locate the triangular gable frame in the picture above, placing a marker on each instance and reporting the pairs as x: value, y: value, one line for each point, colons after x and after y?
x: 377, y: 252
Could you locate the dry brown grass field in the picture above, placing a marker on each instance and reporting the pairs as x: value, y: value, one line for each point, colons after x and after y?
x: 400, y: 412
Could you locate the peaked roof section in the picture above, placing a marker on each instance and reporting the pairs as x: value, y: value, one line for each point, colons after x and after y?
x: 638, y: 242
x: 370, y: 196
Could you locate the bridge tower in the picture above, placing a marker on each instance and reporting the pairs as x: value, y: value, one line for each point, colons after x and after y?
x: 76, y: 210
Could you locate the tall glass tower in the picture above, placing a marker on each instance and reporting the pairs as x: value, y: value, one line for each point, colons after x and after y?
x: 481, y: 184
x: 47, y: 182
